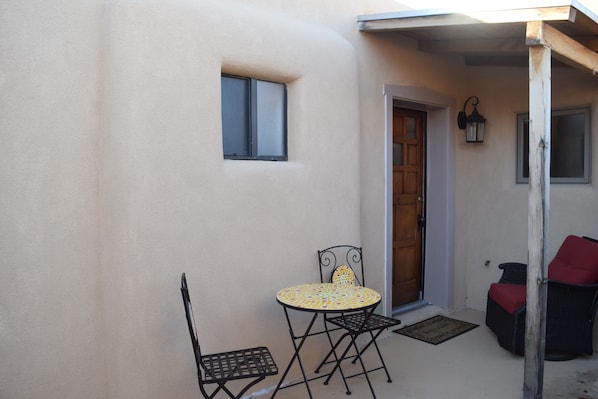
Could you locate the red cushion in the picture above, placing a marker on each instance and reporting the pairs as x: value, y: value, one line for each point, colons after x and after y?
x: 510, y: 297
x: 576, y: 262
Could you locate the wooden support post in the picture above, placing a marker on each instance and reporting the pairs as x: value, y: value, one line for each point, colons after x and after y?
x: 539, y: 206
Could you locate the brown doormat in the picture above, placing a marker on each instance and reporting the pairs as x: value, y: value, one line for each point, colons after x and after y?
x: 437, y: 329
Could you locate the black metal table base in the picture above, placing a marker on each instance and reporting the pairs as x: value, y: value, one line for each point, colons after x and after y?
x: 333, y: 352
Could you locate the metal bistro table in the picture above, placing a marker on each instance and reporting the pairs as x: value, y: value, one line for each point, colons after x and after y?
x: 324, y: 298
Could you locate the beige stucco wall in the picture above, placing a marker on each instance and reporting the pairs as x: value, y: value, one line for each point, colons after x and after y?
x: 241, y: 230
x: 113, y: 181
x: 50, y: 325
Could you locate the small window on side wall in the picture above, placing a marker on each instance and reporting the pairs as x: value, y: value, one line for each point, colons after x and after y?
x: 254, y: 119
x: 569, y: 146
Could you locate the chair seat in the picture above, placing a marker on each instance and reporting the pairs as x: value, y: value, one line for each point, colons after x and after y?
x: 354, y: 322
x: 245, y: 363
x: 252, y: 364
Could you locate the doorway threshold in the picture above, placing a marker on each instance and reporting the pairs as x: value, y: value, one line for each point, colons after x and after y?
x: 409, y: 307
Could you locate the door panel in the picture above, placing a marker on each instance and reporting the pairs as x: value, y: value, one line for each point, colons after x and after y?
x: 408, y: 164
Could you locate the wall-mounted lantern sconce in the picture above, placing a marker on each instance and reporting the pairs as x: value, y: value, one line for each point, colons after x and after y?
x: 472, y: 123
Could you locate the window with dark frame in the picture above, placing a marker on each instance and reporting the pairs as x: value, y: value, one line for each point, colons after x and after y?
x: 254, y: 119
x: 569, y: 146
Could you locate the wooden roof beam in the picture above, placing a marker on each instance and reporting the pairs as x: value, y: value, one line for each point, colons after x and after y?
x: 570, y: 51
x: 409, y: 20
x: 501, y: 46
x: 498, y: 46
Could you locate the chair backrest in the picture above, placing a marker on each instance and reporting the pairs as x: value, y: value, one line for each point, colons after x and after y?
x: 341, y: 259
x: 191, y: 325
x: 576, y: 261
x: 591, y: 239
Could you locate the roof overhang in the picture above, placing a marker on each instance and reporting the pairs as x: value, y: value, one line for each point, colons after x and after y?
x: 490, y: 36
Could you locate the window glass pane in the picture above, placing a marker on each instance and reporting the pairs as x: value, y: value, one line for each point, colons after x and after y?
x: 410, y: 130
x: 569, y: 146
x: 235, y: 116
x: 566, y: 159
x: 397, y: 154
x: 525, y: 148
x: 271, y: 123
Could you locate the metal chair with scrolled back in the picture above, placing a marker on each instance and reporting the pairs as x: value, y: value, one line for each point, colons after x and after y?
x: 343, y: 264
x: 220, y: 368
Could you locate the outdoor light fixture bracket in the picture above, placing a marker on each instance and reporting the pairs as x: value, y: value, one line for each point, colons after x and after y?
x: 473, y: 124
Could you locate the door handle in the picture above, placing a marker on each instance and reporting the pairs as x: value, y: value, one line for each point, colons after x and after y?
x: 420, y: 222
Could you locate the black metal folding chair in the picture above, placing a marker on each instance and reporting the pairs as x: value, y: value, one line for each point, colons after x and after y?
x: 220, y: 368
x: 343, y: 264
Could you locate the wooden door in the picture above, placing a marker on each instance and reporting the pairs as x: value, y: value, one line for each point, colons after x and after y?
x: 407, y: 205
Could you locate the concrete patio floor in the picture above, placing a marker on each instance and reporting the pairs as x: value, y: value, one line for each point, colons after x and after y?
x: 469, y: 366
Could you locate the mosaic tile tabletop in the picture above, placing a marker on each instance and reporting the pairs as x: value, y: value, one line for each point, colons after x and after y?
x: 327, y: 297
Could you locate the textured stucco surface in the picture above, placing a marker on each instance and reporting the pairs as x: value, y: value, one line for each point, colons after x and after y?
x: 113, y: 180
